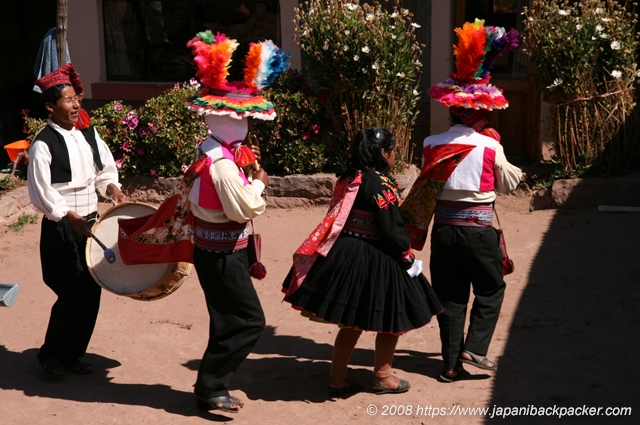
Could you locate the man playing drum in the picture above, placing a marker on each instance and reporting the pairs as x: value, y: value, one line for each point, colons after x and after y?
x: 68, y: 161
x: 224, y: 201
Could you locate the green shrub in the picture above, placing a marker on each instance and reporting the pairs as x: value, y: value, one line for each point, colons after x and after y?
x: 584, y: 58
x: 294, y: 142
x: 365, y: 60
x: 159, y: 139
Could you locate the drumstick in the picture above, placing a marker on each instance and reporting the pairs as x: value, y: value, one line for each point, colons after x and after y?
x: 108, y: 253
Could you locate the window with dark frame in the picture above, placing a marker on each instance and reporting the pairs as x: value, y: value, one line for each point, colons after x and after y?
x: 146, y: 40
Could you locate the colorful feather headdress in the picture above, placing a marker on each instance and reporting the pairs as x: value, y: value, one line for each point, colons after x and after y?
x: 478, y: 48
x: 212, y: 57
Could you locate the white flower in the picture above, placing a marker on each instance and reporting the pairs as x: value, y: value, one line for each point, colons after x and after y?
x: 370, y: 16
x: 305, y: 32
x: 393, y: 36
x: 556, y: 82
x: 616, y: 74
x: 351, y: 6
x: 356, y: 58
x: 579, y: 26
x: 365, y: 49
x: 599, y: 28
x: 615, y: 45
x: 605, y: 19
x: 604, y: 35
x: 394, y: 15
x: 393, y: 27
x: 404, y: 12
x: 347, y: 32
x: 400, y: 74
x: 415, y: 92
x: 325, y: 46
x: 564, y: 12
x: 413, y: 24
x: 599, y: 10
x: 418, y: 63
x: 345, y: 48
x: 593, y: 38
x: 375, y: 66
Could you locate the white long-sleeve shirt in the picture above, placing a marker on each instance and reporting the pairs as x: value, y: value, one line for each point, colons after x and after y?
x: 54, y: 200
x: 466, y: 182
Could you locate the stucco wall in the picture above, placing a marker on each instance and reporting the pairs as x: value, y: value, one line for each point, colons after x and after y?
x: 86, y: 46
x: 86, y: 39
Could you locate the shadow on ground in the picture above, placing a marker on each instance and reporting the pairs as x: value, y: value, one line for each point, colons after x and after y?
x: 573, y: 340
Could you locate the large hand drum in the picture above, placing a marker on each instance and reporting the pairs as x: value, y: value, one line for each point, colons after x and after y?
x: 141, y: 282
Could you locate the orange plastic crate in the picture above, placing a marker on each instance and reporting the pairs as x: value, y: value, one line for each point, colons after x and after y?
x: 13, y: 149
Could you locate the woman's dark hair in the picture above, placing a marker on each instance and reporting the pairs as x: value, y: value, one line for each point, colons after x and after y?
x: 53, y: 94
x: 366, y: 151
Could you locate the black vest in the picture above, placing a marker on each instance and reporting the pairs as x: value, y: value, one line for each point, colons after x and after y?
x: 60, y: 163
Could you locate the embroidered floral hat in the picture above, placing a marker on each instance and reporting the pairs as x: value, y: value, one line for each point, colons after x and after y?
x: 476, y: 52
x: 212, y: 57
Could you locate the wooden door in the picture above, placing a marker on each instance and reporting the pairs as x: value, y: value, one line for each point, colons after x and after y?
x: 518, y: 124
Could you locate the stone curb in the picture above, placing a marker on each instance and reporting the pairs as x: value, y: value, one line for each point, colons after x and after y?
x: 302, y: 191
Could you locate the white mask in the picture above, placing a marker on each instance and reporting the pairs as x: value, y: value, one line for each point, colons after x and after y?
x: 226, y: 128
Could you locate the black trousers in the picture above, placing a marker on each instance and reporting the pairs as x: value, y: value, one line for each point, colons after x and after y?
x: 236, y: 318
x: 463, y: 258
x: 64, y: 270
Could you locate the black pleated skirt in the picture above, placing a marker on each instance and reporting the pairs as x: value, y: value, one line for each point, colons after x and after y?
x: 358, y: 285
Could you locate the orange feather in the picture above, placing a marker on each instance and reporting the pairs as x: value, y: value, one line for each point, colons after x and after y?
x: 469, y: 52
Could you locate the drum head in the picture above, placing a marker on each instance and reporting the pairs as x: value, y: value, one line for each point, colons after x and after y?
x: 117, y: 277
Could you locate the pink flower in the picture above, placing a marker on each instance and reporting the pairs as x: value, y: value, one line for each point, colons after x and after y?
x: 154, y: 173
x: 315, y: 128
x: 176, y: 86
x: 140, y: 151
x: 194, y: 82
x: 142, y: 132
x: 117, y: 107
x: 184, y: 168
x: 119, y: 163
x: 152, y: 128
x: 125, y: 147
x: 306, y: 135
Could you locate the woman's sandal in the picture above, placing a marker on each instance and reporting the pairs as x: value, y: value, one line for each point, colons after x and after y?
x: 478, y: 362
x: 53, y: 367
x: 222, y: 403
x: 353, y: 388
x: 403, y: 387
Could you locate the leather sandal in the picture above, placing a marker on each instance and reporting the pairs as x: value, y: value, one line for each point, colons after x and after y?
x: 403, y: 387
x: 222, y: 403
x: 53, y: 367
x: 478, y: 362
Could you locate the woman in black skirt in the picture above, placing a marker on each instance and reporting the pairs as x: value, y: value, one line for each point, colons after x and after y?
x: 357, y: 269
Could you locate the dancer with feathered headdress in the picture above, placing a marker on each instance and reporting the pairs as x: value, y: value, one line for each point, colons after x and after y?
x: 462, y: 170
x: 224, y: 201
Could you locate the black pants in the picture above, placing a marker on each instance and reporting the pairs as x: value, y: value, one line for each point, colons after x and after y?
x: 236, y: 318
x: 464, y: 258
x: 65, y: 271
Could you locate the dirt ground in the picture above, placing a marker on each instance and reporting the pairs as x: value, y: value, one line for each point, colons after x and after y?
x: 567, y: 338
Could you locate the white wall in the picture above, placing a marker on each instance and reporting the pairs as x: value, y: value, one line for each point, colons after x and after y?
x: 286, y: 24
x: 86, y: 46
x: 441, y: 59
